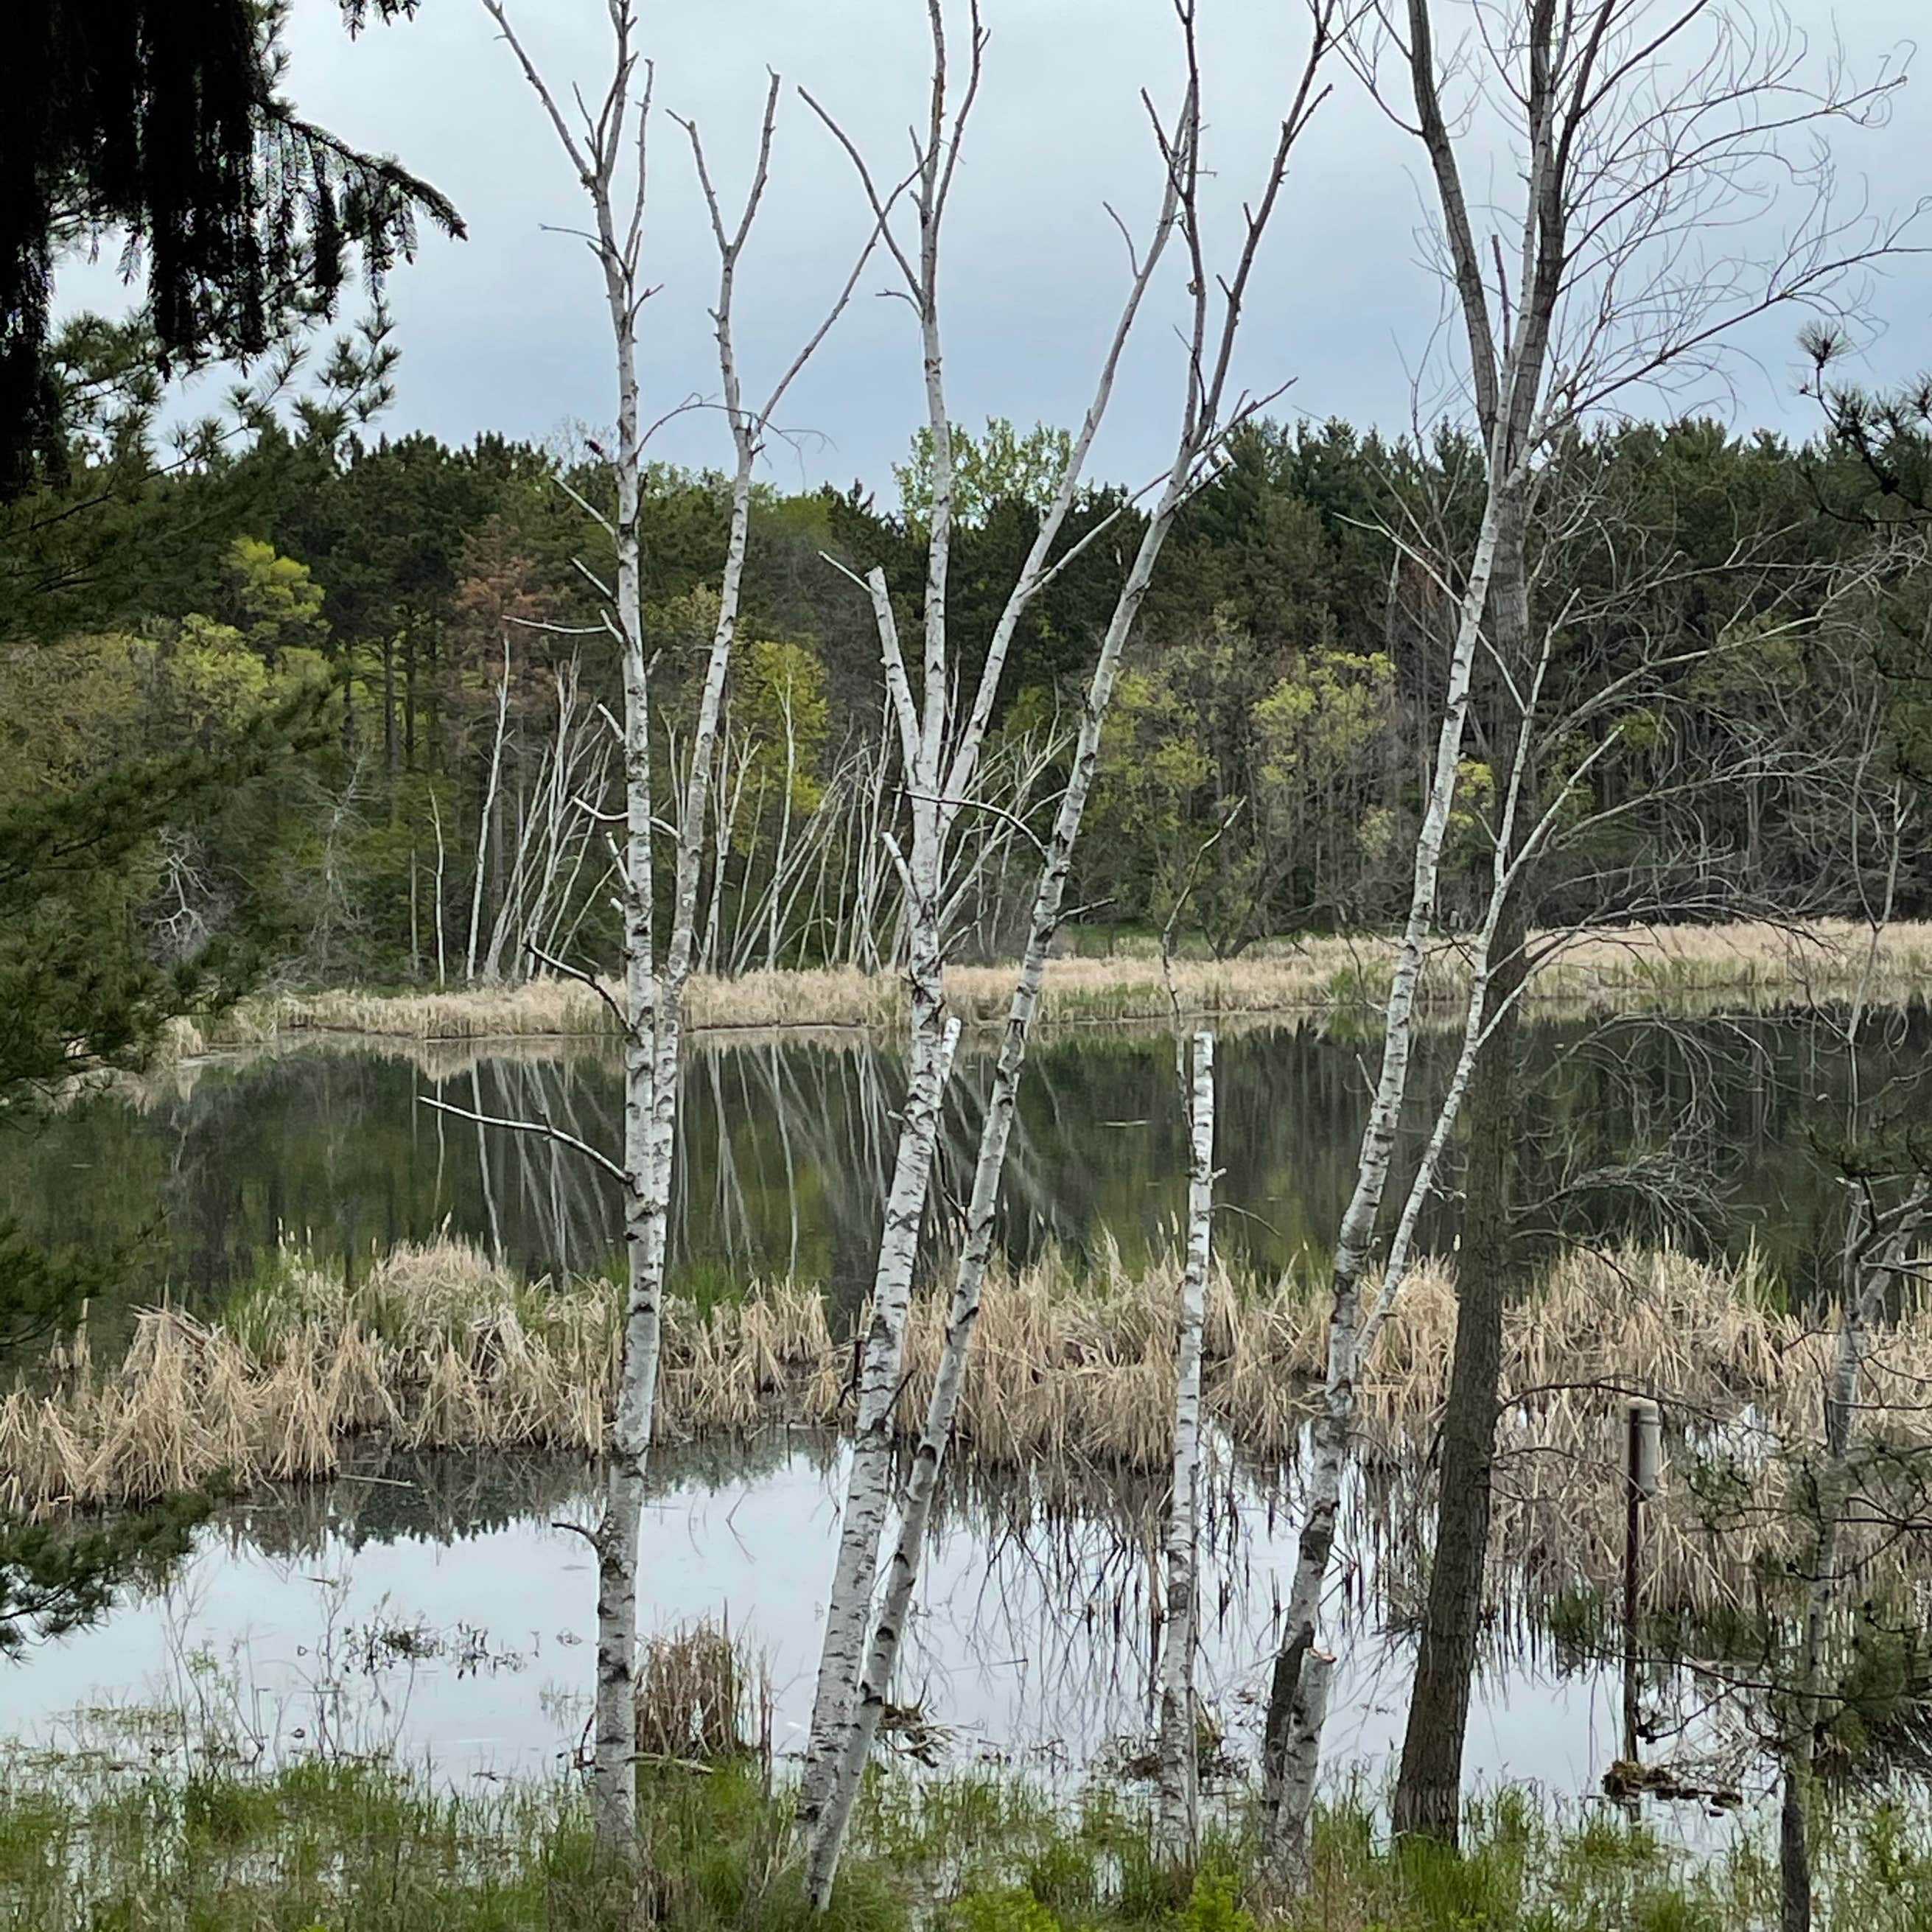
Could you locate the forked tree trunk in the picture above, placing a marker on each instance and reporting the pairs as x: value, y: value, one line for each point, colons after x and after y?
x: 868, y: 1483
x: 1428, y: 1794
x: 940, y: 753
x: 1201, y: 426
x: 1177, y: 1824
x: 854, y: 1747
x: 652, y: 1004
x: 1294, y: 1723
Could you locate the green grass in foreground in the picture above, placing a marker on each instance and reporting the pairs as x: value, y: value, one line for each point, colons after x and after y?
x: 96, y: 1842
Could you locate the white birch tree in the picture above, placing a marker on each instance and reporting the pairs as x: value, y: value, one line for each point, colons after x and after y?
x: 606, y: 145
x: 1630, y: 121
x: 1205, y: 419
x: 1177, y: 1820
x: 940, y: 749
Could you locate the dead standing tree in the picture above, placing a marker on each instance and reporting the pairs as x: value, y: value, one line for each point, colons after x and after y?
x: 606, y: 145
x: 1177, y: 1818
x: 1206, y: 419
x: 1632, y: 137
x: 940, y: 750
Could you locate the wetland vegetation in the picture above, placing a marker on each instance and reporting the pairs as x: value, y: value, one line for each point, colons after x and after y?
x: 1006, y: 1204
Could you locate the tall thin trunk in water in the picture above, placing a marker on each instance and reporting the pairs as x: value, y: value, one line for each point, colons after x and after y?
x: 652, y: 1012
x: 1291, y: 1715
x: 1202, y: 428
x: 854, y: 1742
x: 939, y: 751
x: 1177, y: 1824
x: 1428, y: 1794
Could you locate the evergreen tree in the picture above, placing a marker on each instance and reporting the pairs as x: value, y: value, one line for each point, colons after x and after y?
x: 164, y: 122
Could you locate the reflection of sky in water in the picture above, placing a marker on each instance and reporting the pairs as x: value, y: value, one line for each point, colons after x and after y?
x: 1032, y: 1643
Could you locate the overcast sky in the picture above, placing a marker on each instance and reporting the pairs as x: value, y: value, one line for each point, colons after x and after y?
x: 506, y: 330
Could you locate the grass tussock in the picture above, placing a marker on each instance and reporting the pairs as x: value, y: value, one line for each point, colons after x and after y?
x: 703, y: 1699
x: 437, y: 1348
x: 119, y: 1839
x: 1747, y: 962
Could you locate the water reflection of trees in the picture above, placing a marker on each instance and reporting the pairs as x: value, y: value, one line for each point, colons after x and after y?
x: 1044, y: 1586
x: 1640, y: 1123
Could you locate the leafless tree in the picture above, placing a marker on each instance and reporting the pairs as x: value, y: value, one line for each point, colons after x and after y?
x: 1640, y: 130
x: 605, y: 139
x: 854, y: 1699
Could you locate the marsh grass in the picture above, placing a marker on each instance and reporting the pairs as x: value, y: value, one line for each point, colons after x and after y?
x: 98, y: 1841
x: 1750, y: 963
x: 438, y: 1347
x: 703, y: 1699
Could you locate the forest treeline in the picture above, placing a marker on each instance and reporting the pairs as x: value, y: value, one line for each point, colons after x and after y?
x: 432, y: 616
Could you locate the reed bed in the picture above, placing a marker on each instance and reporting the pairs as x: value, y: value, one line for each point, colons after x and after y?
x: 703, y: 1698
x: 438, y: 1347
x: 1751, y: 963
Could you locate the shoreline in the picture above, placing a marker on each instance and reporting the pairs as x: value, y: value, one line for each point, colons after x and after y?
x: 1304, y: 980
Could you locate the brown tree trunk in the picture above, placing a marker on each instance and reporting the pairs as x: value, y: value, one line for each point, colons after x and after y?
x: 1428, y: 1798
x: 1429, y: 1788
x: 1794, y: 1856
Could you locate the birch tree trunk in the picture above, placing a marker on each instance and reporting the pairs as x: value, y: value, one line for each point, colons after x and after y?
x: 483, y: 820
x: 868, y: 1483
x: 654, y: 982
x: 1292, y: 1741
x: 939, y: 754
x: 1210, y: 355
x: 854, y: 1746
x: 1334, y: 1423
x: 1178, y: 1826
x: 441, y: 925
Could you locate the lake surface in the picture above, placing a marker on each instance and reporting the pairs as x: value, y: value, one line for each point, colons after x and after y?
x: 1034, y: 1639
x: 1031, y: 1645
x: 1700, y: 1128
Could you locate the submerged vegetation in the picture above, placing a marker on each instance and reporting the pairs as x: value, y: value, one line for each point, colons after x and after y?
x: 1747, y: 963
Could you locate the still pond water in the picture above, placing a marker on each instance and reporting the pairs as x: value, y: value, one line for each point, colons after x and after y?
x: 1700, y: 1126
x: 433, y: 1607
x: 1034, y: 1639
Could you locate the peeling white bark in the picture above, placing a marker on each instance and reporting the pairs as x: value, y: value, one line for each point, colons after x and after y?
x: 654, y: 982
x: 1210, y: 355
x: 868, y: 1486
x: 1177, y: 1822
x: 827, y: 1838
x: 940, y: 756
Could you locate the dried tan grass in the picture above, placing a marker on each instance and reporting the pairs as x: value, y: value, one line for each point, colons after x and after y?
x: 438, y: 1347
x: 1749, y: 962
x: 703, y: 1698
